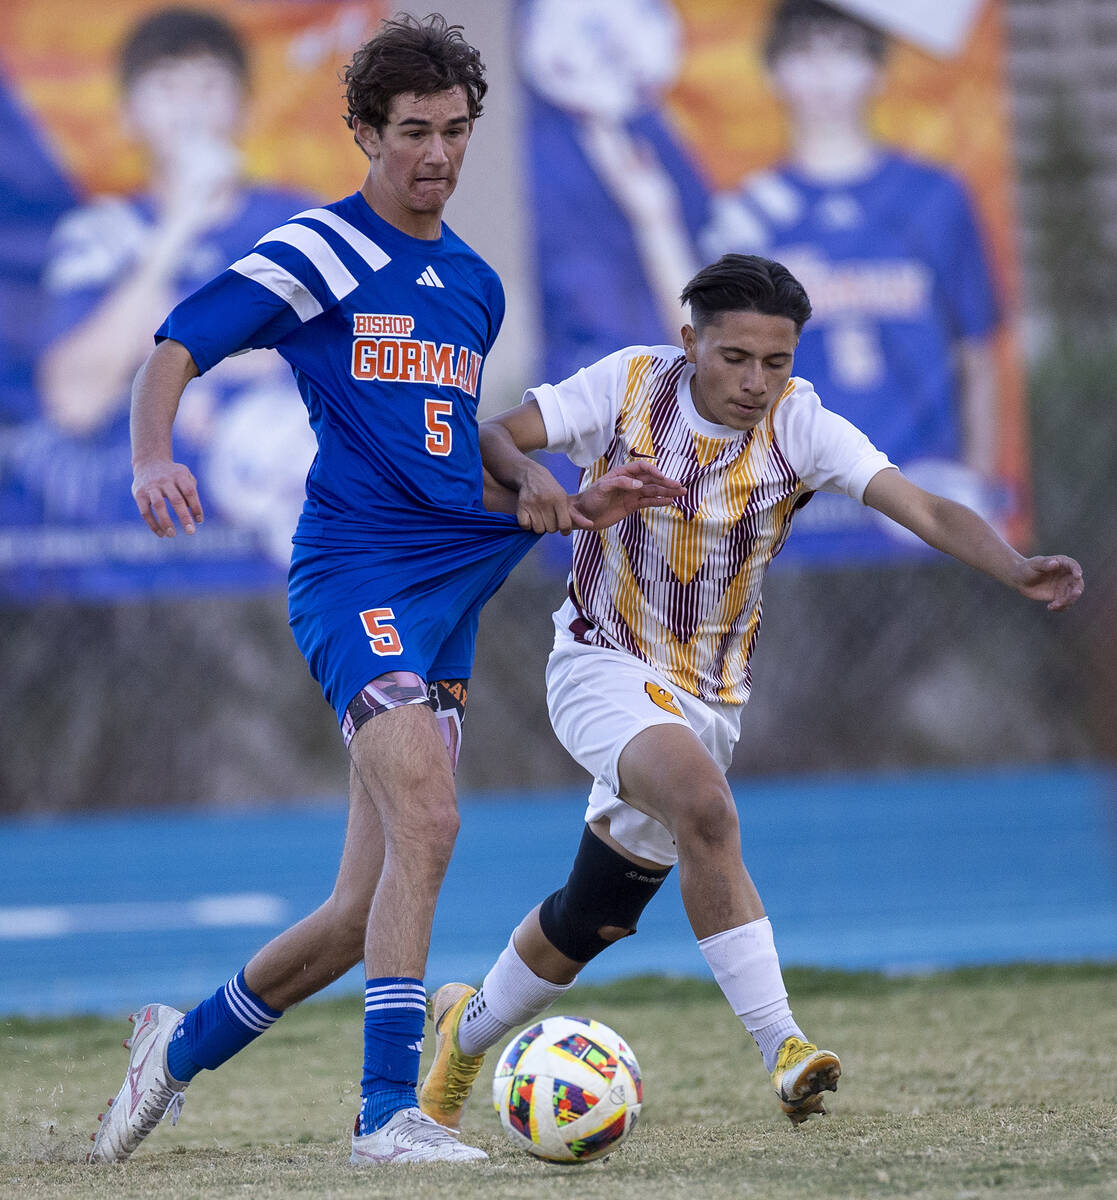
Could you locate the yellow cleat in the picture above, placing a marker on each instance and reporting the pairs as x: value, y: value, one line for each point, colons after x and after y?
x: 450, y: 1078
x: 802, y: 1073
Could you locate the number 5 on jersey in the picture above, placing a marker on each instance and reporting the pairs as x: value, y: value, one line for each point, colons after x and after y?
x: 382, y: 636
x: 440, y: 435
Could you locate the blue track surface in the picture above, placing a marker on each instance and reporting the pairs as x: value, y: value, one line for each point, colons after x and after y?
x: 901, y: 873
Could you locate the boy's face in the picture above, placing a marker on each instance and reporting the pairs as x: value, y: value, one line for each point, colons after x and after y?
x: 185, y: 100
x: 417, y: 156
x: 826, y: 72
x: 742, y: 364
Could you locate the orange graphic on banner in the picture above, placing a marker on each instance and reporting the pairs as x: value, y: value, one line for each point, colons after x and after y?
x: 61, y: 58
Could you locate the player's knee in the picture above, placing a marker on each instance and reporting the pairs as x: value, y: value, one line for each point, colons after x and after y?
x: 708, y: 821
x: 349, y: 935
x: 601, y: 901
x: 426, y: 824
x: 613, y: 933
x: 436, y: 834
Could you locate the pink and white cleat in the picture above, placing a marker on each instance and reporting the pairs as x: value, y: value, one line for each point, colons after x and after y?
x: 148, y: 1093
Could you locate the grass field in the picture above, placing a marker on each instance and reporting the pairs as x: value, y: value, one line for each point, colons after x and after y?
x: 973, y: 1084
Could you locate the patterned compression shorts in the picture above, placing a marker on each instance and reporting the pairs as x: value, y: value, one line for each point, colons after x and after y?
x: 395, y: 689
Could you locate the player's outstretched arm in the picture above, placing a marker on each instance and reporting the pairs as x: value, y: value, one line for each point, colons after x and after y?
x: 957, y: 530
x: 160, y: 485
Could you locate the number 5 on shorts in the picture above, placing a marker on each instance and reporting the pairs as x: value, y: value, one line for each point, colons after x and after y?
x: 382, y: 637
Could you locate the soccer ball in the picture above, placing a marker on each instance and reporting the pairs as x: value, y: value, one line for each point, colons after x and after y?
x: 567, y: 1090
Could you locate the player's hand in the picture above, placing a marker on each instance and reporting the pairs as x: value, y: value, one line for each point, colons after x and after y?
x: 542, y: 505
x: 621, y: 492
x: 1055, y: 578
x: 160, y: 487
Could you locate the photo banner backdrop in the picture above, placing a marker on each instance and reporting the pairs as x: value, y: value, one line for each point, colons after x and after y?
x: 657, y: 136
x: 135, y: 168
x: 870, y: 155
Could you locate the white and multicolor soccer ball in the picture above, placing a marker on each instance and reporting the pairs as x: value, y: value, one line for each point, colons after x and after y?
x: 568, y: 1090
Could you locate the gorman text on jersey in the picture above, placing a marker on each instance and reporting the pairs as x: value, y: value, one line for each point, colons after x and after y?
x: 390, y: 354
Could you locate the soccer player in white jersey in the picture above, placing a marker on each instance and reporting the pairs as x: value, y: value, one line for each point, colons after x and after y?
x: 650, y: 669
x: 386, y: 317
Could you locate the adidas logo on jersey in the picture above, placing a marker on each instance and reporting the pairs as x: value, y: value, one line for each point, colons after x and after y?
x: 429, y: 279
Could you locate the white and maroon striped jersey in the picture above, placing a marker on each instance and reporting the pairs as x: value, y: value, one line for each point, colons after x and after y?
x: 679, y: 587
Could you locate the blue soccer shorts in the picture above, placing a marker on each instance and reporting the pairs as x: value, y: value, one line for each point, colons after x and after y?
x: 359, y: 614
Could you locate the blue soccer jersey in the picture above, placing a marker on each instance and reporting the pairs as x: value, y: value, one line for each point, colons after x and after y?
x: 387, y: 336
x: 897, y: 274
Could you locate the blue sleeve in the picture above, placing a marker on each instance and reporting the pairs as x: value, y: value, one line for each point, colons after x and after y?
x: 227, y: 315
x: 496, y: 308
x: 291, y: 277
x: 967, y: 286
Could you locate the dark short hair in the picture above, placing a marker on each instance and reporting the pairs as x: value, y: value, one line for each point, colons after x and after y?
x: 409, y: 55
x: 181, y: 33
x: 795, y: 19
x: 746, y: 283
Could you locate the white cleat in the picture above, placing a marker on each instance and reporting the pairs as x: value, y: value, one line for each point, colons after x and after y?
x: 411, y: 1136
x: 148, y: 1093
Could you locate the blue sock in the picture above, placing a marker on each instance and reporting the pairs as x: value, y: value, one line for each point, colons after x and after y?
x: 395, y: 1010
x: 216, y: 1029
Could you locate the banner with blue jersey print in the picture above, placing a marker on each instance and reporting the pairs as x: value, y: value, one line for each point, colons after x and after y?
x: 662, y: 134
x: 110, y: 215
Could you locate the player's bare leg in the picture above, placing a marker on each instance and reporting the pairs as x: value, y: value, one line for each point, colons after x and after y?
x: 667, y: 773
x: 403, y: 764
x: 296, y: 964
x: 401, y: 760
x: 324, y: 945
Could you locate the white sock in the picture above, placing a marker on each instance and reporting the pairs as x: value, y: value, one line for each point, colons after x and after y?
x: 510, y: 996
x: 747, y: 969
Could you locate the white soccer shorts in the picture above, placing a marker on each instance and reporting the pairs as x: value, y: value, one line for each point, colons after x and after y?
x: 599, y: 700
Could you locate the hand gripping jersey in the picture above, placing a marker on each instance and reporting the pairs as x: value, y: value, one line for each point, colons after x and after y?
x: 679, y: 587
x: 387, y: 335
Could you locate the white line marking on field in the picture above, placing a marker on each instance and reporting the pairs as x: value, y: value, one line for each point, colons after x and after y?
x: 29, y: 922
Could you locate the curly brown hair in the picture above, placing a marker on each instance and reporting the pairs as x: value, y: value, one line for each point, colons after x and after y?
x: 409, y: 55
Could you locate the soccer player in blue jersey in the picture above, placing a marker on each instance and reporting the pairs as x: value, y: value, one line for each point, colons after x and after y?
x: 385, y: 317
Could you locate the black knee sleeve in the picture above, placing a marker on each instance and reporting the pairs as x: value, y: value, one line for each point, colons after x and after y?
x: 604, y: 888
